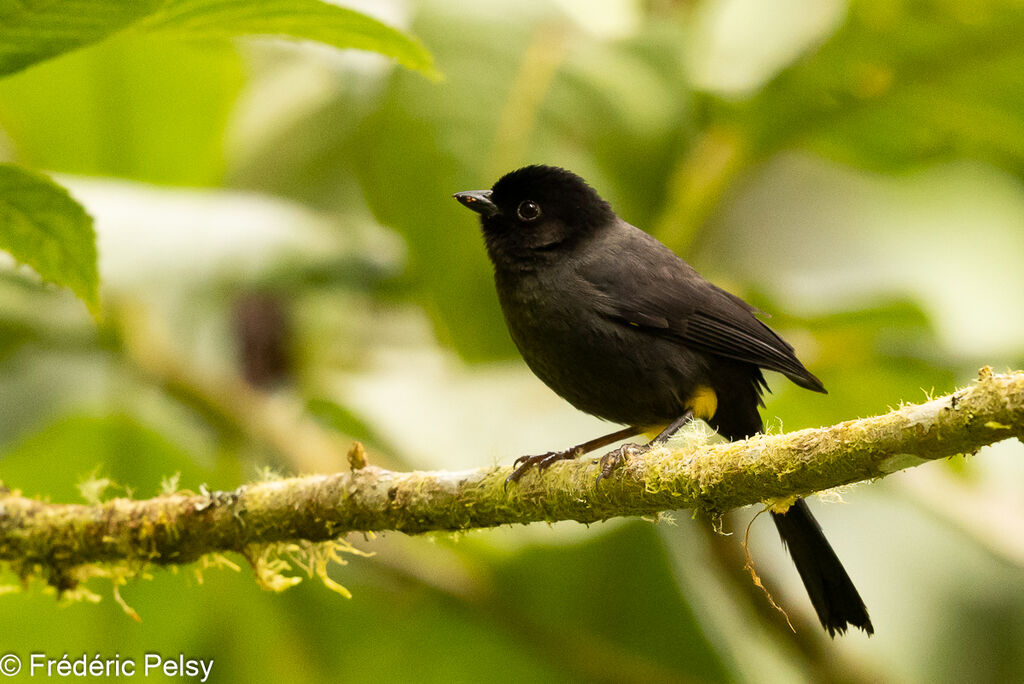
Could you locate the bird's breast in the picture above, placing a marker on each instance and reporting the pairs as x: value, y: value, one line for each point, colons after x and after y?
x: 614, y: 371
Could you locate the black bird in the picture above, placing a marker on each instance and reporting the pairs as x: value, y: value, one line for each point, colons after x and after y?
x: 622, y: 328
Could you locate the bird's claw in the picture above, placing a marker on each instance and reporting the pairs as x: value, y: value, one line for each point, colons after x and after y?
x: 541, y: 462
x: 616, y: 457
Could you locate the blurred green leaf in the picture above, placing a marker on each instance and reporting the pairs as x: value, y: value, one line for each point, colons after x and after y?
x: 151, y: 110
x: 902, y: 83
x: 37, y: 31
x: 300, y: 19
x: 114, y: 446
x: 619, y: 593
x: 181, y: 611
x: 336, y: 417
x: 425, y: 143
x: 899, y: 84
x: 870, y: 360
x: 13, y: 334
x: 42, y: 226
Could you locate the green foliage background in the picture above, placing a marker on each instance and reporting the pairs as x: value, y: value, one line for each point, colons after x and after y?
x: 854, y: 169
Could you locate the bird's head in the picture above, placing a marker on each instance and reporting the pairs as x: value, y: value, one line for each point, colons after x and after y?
x: 536, y: 210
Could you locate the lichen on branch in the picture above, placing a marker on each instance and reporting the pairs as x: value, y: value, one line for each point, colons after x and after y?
x: 39, y: 538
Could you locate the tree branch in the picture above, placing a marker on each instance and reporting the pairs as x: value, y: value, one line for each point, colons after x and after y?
x: 37, y: 537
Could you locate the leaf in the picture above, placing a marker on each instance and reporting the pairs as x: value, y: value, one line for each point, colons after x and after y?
x: 901, y: 84
x: 575, y: 579
x: 300, y: 19
x: 898, y: 85
x: 14, y: 334
x: 870, y: 359
x: 89, y: 447
x: 149, y: 109
x: 43, y: 227
x: 36, y: 31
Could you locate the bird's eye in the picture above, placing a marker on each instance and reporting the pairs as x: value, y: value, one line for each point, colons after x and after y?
x: 528, y: 210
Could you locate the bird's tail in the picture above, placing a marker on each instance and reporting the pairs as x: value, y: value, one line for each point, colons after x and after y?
x: 832, y: 593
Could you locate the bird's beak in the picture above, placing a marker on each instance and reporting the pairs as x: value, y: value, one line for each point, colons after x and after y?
x: 479, y: 201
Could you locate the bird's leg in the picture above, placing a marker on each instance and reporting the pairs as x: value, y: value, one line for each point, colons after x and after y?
x: 672, y: 428
x: 614, y: 458
x: 524, y: 463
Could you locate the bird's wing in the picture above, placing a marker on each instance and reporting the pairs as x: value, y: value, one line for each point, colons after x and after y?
x: 643, y: 284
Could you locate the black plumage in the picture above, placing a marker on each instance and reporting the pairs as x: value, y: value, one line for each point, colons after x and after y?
x: 622, y: 328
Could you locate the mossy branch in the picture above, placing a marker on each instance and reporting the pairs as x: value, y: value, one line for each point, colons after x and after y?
x: 178, y: 528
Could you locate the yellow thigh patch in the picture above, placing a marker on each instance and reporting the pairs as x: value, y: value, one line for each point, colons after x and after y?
x: 703, y: 403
